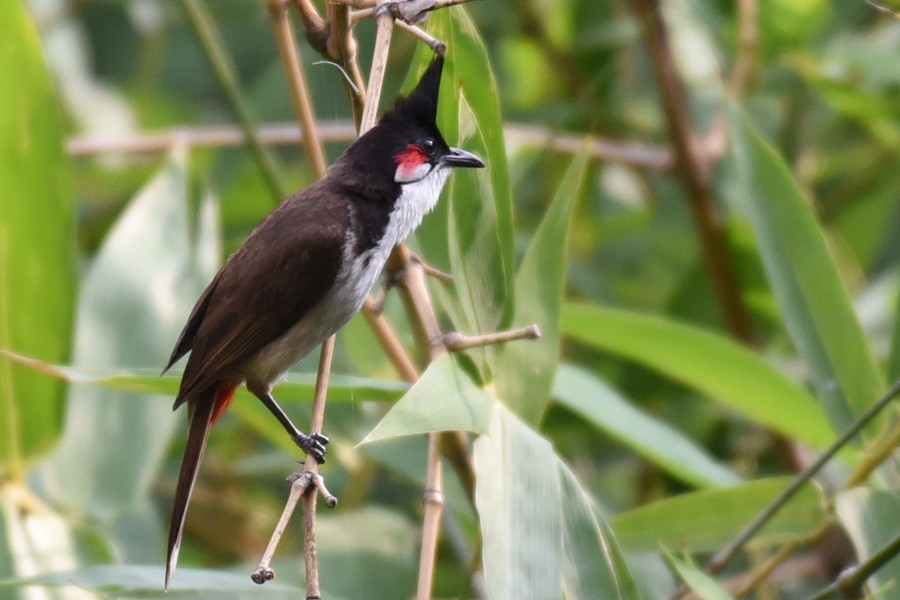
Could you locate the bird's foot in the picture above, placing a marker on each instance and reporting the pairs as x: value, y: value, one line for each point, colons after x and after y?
x: 313, y: 444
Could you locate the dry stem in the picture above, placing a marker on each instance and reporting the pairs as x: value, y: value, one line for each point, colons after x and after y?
x: 693, y: 169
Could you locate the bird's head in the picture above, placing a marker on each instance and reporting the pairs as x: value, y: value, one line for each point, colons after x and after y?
x: 406, y: 142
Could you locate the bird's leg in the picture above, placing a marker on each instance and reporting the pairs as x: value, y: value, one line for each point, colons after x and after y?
x: 313, y: 444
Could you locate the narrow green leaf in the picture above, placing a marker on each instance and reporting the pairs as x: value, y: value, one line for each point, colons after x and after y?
x: 134, y: 300
x: 146, y: 582
x: 706, y: 520
x: 814, y: 303
x: 296, y: 387
x: 471, y: 232
x: 525, y: 369
x: 593, y: 564
x: 893, y: 364
x: 714, y: 365
x: 704, y: 585
x: 444, y: 398
x: 872, y: 519
x: 581, y: 392
x: 37, y: 243
x: 519, y: 506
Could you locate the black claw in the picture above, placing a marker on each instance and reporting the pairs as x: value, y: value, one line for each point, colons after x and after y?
x: 314, y: 445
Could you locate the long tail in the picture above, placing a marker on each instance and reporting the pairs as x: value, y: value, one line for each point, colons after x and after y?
x: 205, y: 412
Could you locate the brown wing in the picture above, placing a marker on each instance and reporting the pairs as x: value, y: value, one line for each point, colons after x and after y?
x: 281, y: 271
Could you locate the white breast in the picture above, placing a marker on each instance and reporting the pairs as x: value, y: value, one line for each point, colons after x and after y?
x: 353, y: 283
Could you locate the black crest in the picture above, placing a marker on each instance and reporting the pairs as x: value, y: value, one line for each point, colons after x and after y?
x: 420, y: 105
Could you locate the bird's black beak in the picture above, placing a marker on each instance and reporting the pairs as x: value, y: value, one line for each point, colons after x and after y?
x: 461, y: 158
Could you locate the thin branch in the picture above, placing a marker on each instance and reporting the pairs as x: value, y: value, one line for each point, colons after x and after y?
x: 204, y: 26
x: 310, y: 497
x: 693, y: 169
x: 287, y: 47
x: 724, y: 556
x: 218, y: 136
x: 379, y: 66
x: 342, y: 49
x: 435, y: 44
x: 517, y: 134
x: 457, y: 342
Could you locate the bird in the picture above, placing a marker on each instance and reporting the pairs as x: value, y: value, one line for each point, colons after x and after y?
x: 303, y: 273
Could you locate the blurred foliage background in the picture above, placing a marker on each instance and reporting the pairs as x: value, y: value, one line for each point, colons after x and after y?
x: 702, y: 220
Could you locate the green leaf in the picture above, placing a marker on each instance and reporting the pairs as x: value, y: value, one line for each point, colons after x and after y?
x: 593, y: 564
x: 814, y: 303
x: 893, y: 363
x: 134, y: 300
x: 704, y: 585
x: 706, y: 520
x: 870, y: 517
x: 542, y: 532
x: 444, y: 398
x: 519, y: 506
x: 146, y: 582
x: 296, y: 386
x: 602, y: 406
x: 37, y: 243
x: 525, y: 369
x: 472, y: 230
x: 716, y: 366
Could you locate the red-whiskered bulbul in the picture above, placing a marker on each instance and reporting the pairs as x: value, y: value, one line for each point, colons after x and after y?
x: 305, y: 271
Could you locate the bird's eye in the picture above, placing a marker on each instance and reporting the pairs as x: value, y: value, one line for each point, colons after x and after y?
x: 428, y: 145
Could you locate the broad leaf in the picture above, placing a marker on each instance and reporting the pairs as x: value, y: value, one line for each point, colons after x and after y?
x: 519, y: 507
x: 135, y: 298
x: 444, y: 398
x: 37, y: 243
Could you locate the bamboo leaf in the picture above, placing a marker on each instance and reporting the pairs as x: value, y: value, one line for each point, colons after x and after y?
x: 706, y: 520
x: 525, y: 369
x: 444, y: 398
x: 134, y: 298
x: 37, y: 243
x: 718, y: 367
x: 519, y: 507
x: 813, y: 300
x: 602, y: 406
x: 471, y: 232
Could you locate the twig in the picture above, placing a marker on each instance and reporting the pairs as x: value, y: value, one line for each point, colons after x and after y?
x: 379, y: 66
x: 637, y: 155
x: 205, y: 28
x: 342, y: 49
x: 457, y: 342
x: 434, y: 43
x: 307, y: 483
x: 310, y: 497
x: 284, y: 35
x: 693, y: 169
x: 724, y: 556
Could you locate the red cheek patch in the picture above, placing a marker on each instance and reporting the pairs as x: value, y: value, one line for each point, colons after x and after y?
x: 410, y: 158
x: 409, y: 162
